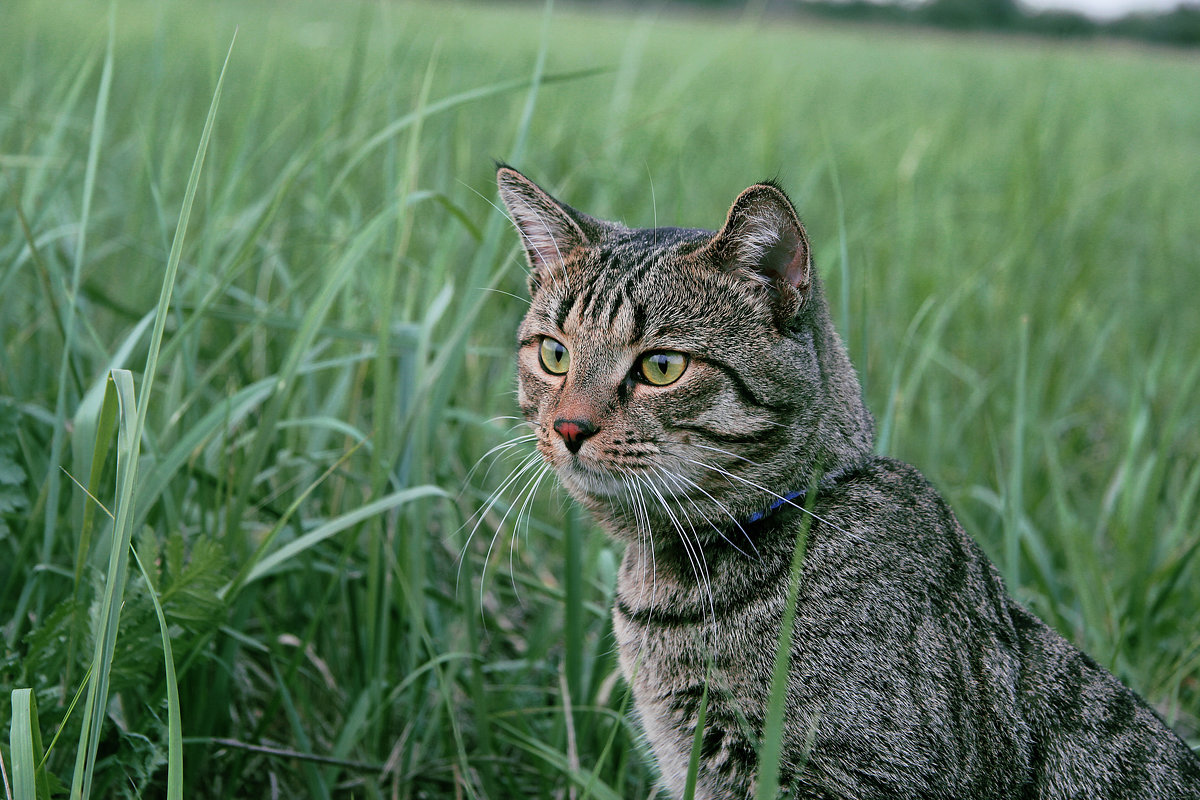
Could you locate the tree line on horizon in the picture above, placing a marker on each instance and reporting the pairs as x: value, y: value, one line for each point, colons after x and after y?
x: 1179, y: 27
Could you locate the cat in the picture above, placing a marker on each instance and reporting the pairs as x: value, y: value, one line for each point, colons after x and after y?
x: 688, y: 387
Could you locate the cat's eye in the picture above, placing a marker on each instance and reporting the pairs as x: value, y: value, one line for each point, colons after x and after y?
x: 554, y: 356
x: 662, y: 367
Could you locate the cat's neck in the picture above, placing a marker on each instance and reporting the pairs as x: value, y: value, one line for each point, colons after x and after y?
x: 661, y: 579
x: 847, y: 427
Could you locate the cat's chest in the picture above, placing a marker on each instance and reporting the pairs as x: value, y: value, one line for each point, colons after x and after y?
x: 674, y: 644
x: 676, y: 655
x: 675, y: 626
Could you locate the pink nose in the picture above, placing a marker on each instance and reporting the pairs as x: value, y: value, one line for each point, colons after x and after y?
x: 574, y: 431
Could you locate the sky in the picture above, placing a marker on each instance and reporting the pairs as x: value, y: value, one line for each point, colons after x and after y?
x: 1103, y: 9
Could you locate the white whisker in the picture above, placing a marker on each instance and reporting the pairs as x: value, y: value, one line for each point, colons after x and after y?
x: 642, y: 520
x: 680, y: 480
x: 524, y: 300
x: 520, y: 420
x: 503, y: 447
x: 779, y: 497
x: 722, y: 451
x: 700, y: 552
x: 694, y: 551
x: 524, y: 511
x: 529, y: 486
x: 528, y: 462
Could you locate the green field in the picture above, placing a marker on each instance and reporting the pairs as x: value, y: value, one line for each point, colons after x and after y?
x: 1009, y: 232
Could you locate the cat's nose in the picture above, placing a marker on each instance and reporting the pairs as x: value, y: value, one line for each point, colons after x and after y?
x: 574, y: 431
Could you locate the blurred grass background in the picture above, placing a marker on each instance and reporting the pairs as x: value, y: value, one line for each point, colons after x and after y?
x: 1008, y: 231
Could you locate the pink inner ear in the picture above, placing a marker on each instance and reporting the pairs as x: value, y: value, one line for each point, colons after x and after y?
x: 786, y: 258
x: 540, y: 232
x: 797, y: 270
x: 765, y: 237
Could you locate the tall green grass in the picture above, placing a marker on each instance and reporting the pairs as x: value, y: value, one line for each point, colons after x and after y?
x: 1008, y: 231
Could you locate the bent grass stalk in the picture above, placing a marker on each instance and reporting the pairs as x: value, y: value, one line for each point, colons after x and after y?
x: 130, y: 425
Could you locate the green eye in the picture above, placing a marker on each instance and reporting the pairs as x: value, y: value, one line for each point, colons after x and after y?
x: 554, y: 356
x: 663, y: 367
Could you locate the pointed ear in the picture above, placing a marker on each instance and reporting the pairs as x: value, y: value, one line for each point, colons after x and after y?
x: 763, y: 237
x: 549, y: 229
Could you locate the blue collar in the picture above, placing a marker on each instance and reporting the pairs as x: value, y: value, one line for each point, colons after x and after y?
x: 787, y: 499
x: 827, y: 481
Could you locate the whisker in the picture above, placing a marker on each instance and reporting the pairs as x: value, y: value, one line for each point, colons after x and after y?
x: 520, y: 420
x: 725, y: 452
x: 526, y: 464
x: 524, y: 300
x: 496, y: 495
x: 498, y: 449
x: 530, y: 482
x: 645, y: 531
x: 679, y: 479
x: 784, y: 500
x: 510, y: 443
x: 526, y: 512
x: 699, y: 549
x: 505, y: 416
x: 694, y: 551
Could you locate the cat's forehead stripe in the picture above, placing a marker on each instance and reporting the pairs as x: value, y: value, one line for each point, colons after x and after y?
x: 598, y: 290
x: 561, y: 312
x: 623, y: 314
x: 611, y: 289
x: 616, y: 301
x: 638, y: 322
x: 597, y: 295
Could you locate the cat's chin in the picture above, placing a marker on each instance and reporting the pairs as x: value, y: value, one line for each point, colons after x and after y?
x: 588, y: 483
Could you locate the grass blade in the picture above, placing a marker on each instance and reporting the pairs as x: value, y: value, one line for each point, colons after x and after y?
x: 25, y: 746
x: 306, y: 333
x: 128, y: 448
x: 693, y: 771
x: 1014, y: 509
x: 772, y: 739
x: 58, y: 439
x: 109, y: 614
x: 174, y: 722
x: 231, y: 589
x: 105, y: 427
x: 445, y: 104
x: 185, y: 214
x: 312, y: 538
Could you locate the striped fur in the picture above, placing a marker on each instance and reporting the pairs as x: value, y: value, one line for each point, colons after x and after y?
x: 911, y: 670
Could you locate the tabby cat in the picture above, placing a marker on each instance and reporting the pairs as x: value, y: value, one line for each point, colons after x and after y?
x: 687, y: 387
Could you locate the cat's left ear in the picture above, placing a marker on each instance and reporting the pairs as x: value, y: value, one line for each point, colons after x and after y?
x: 763, y: 237
x: 550, y: 230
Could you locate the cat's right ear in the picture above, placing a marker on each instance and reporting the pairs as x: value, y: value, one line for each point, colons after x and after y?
x: 549, y: 230
x: 764, y: 239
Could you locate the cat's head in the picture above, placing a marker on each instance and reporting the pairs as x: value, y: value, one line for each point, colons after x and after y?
x: 679, y: 376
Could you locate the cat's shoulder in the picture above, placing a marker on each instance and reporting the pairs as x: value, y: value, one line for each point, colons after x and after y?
x: 882, y: 485
x: 884, y: 511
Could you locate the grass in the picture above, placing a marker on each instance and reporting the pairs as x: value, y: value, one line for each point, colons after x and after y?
x: 1008, y: 234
